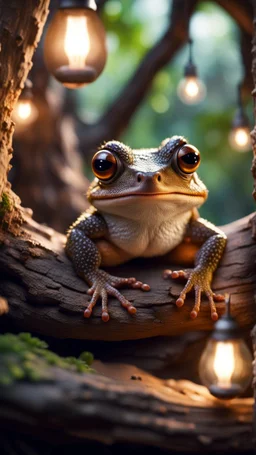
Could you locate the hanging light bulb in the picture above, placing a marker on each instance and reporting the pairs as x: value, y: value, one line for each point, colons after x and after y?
x: 75, y: 45
x: 25, y: 111
x: 225, y: 366
x: 191, y: 90
x: 239, y: 137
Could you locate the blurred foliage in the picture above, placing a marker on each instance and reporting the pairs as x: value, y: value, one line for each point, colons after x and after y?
x: 23, y: 357
x: 133, y: 27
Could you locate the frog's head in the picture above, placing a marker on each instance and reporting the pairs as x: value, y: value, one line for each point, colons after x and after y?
x: 164, y: 180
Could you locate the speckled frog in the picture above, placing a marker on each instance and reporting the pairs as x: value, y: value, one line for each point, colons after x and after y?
x: 144, y: 204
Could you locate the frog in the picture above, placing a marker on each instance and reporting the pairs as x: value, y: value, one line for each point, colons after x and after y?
x: 144, y: 203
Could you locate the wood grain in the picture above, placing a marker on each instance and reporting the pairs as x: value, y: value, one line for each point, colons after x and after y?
x: 45, y: 295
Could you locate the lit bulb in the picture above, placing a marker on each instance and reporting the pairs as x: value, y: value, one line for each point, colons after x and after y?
x: 77, y: 41
x: 24, y: 113
x: 240, y: 139
x: 75, y: 46
x: 226, y: 367
x: 224, y: 363
x: 24, y: 110
x: 191, y: 90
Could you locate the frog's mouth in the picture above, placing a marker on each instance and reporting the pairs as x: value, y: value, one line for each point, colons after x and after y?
x: 202, y: 194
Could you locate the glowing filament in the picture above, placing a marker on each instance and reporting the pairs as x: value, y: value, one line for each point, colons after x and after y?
x: 224, y: 364
x: 77, y: 41
x: 23, y: 110
x: 191, y: 88
x: 241, y: 137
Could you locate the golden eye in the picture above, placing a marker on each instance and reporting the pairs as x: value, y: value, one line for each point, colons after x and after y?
x: 188, y: 158
x: 104, y: 165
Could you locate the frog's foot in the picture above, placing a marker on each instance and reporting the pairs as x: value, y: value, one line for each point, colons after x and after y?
x: 104, y: 285
x: 200, y: 280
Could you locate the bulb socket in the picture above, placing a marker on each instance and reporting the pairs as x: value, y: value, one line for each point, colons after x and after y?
x: 190, y: 70
x: 240, y: 119
x: 78, y: 4
x: 226, y: 329
x: 226, y: 394
x: 78, y: 77
x: 26, y: 93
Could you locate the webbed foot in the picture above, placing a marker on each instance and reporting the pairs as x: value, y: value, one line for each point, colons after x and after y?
x: 200, y: 280
x: 104, y: 285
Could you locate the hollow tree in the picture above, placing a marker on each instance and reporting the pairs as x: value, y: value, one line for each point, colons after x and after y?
x: 45, y: 296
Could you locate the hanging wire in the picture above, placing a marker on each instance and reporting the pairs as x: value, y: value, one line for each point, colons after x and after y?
x: 239, y: 95
x: 190, y: 44
x: 189, y: 39
x: 186, y: 15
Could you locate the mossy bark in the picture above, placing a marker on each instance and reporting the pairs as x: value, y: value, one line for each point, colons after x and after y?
x: 21, y: 26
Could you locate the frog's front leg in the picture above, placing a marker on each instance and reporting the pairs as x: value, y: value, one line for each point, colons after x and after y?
x: 213, y: 242
x: 81, y: 247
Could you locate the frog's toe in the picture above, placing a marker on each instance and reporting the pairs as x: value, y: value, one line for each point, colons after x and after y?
x: 180, y: 301
x: 140, y: 285
x: 130, y: 282
x: 218, y: 297
x: 118, y: 282
x: 184, y: 274
x: 95, y: 295
x: 196, y: 308
x: 198, y: 292
x: 124, y: 302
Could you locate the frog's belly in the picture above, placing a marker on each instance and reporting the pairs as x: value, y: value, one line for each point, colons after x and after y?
x: 151, y: 241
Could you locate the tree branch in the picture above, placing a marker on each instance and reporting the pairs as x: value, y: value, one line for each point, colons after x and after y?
x: 110, y: 408
x: 242, y: 13
x: 45, y: 295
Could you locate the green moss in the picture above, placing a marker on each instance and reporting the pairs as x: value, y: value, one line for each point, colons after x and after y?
x: 23, y: 357
x: 5, y: 205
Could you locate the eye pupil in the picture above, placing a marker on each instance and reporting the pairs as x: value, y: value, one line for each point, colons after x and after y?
x: 104, y: 165
x: 188, y: 159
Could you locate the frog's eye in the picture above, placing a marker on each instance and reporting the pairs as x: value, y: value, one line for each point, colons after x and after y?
x: 188, y: 158
x: 104, y: 165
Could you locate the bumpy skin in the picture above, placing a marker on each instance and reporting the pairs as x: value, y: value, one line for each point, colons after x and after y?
x: 200, y: 232
x: 86, y: 257
x: 146, y: 209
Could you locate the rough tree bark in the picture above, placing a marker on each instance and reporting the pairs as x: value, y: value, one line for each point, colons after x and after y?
x: 19, y: 35
x: 114, y: 407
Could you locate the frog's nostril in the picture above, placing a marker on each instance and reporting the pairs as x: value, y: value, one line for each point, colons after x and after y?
x: 139, y: 178
x: 158, y: 177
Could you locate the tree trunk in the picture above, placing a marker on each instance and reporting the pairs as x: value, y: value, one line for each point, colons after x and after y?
x: 20, y: 32
x: 48, y: 169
